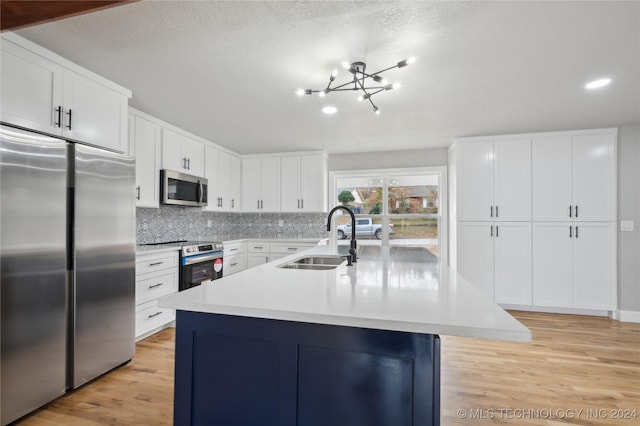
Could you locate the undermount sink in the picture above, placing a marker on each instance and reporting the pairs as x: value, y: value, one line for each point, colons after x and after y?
x: 318, y: 263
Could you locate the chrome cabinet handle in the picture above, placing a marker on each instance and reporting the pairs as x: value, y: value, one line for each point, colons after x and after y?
x: 70, y: 113
x: 576, y: 216
x: 156, y: 285
x: 262, y: 204
x: 571, y: 232
x: 576, y: 231
x: 156, y: 263
x: 491, y: 212
x: 491, y: 232
x: 497, y: 231
x: 497, y: 211
x: 298, y: 203
x: 138, y: 190
x: 233, y: 249
x: 188, y: 163
x: 234, y: 264
x: 258, y: 204
x: 233, y: 203
x: 154, y: 315
x: 302, y: 203
x: 59, y: 111
x: 184, y: 163
x: 570, y: 211
x: 292, y: 248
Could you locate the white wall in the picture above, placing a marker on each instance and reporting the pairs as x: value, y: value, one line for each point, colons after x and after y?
x: 629, y: 209
x: 388, y: 159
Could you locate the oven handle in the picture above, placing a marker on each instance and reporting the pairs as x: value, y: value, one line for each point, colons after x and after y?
x: 199, y: 258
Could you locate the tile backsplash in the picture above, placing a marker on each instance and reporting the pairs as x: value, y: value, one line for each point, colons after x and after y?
x: 183, y: 223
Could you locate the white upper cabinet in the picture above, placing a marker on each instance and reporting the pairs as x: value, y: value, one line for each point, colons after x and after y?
x: 31, y: 90
x: 574, y: 177
x: 222, y: 171
x: 494, y: 180
x: 551, y: 171
x: 94, y: 114
x: 261, y: 184
x: 303, y: 185
x: 47, y: 93
x: 235, y: 194
x: 180, y: 153
x: 594, y: 177
x: 145, y: 141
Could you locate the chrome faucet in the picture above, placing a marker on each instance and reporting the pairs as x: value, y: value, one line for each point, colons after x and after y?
x: 352, y: 250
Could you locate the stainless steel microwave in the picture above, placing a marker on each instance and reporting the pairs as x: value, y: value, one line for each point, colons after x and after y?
x: 182, y: 190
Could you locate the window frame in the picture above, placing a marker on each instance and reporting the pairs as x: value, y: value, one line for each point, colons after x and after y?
x: 385, y: 174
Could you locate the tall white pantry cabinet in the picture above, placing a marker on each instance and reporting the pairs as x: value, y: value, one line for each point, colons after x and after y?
x: 535, y: 216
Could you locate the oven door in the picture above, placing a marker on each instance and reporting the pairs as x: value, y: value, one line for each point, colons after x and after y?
x: 194, y: 274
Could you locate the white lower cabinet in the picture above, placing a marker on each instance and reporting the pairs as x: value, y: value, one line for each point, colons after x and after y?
x: 261, y: 252
x: 574, y: 265
x: 235, y: 257
x: 257, y: 254
x: 496, y: 258
x: 156, y: 276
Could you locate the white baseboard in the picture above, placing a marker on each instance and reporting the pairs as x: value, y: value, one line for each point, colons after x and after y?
x: 555, y: 310
x: 626, y: 316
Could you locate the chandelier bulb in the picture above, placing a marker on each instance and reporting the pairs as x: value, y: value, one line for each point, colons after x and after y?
x: 396, y: 85
x: 334, y: 73
x: 300, y: 92
x: 346, y: 65
x: 360, y: 98
x: 322, y: 93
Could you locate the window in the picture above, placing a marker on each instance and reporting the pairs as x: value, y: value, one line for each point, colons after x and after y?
x: 399, y: 207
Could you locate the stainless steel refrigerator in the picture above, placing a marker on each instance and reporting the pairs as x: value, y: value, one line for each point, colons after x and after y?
x: 67, y: 248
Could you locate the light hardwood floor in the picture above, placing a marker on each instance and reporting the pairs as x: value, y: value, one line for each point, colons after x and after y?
x: 574, y: 363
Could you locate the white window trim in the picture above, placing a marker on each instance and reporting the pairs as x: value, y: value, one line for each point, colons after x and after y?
x: 441, y: 171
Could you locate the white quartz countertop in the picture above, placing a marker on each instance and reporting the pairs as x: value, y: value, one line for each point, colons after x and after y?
x: 388, y: 289
x: 142, y: 249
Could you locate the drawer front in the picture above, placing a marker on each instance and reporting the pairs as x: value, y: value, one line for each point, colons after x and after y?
x: 283, y: 248
x: 235, y: 249
x: 156, y: 284
x: 149, y: 317
x: 258, y: 248
x: 151, y: 263
x: 233, y: 264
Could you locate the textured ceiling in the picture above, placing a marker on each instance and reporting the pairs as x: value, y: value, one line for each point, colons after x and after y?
x: 227, y: 71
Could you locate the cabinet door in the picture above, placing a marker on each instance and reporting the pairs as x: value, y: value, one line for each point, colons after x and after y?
x: 594, y: 177
x: 146, y: 145
x: 173, y: 157
x: 194, y: 153
x: 475, y: 181
x: 224, y: 181
x: 475, y: 254
x: 313, y: 183
x: 270, y: 185
x: 290, y: 184
x: 552, y: 264
x: 512, y: 262
x: 512, y: 179
x: 594, y: 266
x: 250, y: 184
x: 255, y: 259
x: 235, y: 185
x: 551, y: 178
x: 31, y: 88
x: 211, y: 173
x: 94, y: 114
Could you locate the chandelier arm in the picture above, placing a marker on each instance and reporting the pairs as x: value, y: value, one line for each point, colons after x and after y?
x: 381, y: 71
x: 363, y: 89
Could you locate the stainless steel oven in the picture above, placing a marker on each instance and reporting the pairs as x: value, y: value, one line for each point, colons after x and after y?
x: 200, y: 263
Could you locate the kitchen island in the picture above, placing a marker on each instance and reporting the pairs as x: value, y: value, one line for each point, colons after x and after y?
x: 354, y: 345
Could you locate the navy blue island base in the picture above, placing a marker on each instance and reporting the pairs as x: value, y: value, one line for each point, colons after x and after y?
x: 243, y: 371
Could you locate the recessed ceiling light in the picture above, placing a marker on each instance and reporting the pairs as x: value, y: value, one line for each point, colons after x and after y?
x: 595, y: 84
x: 329, y: 110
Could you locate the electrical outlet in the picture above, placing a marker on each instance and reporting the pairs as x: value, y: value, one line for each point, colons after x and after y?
x: 626, y: 225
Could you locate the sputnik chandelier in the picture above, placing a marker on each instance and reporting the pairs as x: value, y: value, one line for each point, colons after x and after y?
x: 368, y: 84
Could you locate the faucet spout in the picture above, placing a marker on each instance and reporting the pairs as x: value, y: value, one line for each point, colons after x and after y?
x: 353, y: 253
